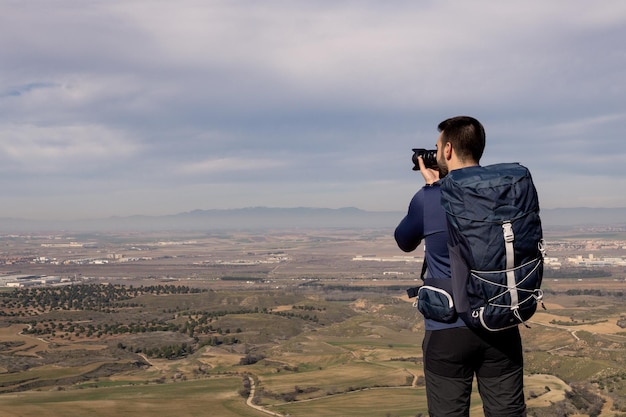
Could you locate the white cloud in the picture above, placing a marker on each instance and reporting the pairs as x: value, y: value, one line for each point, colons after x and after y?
x: 586, y: 125
x: 64, y: 149
x: 230, y: 165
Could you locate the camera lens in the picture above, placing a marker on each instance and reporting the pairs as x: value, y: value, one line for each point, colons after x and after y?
x: 428, y: 155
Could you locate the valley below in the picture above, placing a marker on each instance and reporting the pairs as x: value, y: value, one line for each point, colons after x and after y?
x: 280, y: 322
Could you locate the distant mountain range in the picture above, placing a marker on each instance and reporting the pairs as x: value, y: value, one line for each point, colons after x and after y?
x: 276, y: 218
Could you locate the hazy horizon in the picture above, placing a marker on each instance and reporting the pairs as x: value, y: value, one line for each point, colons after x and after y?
x: 294, y: 217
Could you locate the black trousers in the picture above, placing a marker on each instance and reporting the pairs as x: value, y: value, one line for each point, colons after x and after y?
x: 452, y: 357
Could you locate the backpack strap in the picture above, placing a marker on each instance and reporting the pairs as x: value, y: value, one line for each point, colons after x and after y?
x: 509, y: 238
x: 424, y: 268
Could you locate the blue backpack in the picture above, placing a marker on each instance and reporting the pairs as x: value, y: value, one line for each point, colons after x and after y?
x: 496, y: 244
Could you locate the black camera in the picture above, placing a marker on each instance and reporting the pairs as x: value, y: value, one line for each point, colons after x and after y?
x: 428, y: 155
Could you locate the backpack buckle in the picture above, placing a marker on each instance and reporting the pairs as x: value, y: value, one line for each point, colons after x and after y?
x: 508, y: 232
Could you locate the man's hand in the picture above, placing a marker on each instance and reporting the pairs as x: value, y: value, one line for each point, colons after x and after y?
x: 430, y: 175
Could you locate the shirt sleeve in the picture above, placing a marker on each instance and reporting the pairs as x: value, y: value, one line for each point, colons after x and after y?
x: 410, y: 231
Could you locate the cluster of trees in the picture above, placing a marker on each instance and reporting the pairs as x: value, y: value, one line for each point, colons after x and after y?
x: 574, y: 322
x: 197, y: 324
x: 308, y: 308
x: 290, y: 396
x: 181, y: 350
x: 175, y: 351
x: 191, y: 327
x: 70, y: 297
x: 580, y: 399
x: 611, y: 382
x: 584, y: 398
x: 86, y: 297
x: 251, y: 358
x: 576, y: 273
x: 596, y: 292
x: 106, y: 298
x: 306, y: 317
x: 69, y: 327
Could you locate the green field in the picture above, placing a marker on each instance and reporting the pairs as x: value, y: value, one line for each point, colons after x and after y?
x: 217, y: 397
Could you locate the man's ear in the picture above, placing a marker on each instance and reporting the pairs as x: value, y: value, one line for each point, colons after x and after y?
x: 447, y: 151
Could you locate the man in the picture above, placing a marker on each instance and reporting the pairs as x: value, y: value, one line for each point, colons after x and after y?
x: 453, y: 353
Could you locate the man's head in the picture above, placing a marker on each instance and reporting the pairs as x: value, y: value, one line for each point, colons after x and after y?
x: 460, y: 144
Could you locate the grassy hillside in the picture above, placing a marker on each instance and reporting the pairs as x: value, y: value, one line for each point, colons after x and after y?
x: 178, y: 351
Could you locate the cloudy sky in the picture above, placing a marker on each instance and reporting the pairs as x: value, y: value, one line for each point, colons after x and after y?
x: 123, y: 107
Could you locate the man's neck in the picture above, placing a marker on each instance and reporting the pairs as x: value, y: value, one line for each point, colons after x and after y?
x: 457, y: 164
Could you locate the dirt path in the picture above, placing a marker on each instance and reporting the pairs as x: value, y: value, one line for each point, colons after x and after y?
x: 607, y: 408
x: 415, y: 377
x: 250, y: 403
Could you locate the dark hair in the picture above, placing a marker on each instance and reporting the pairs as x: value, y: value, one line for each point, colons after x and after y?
x: 466, y: 135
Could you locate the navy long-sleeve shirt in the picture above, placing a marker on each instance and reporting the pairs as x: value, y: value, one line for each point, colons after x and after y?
x: 426, y: 220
